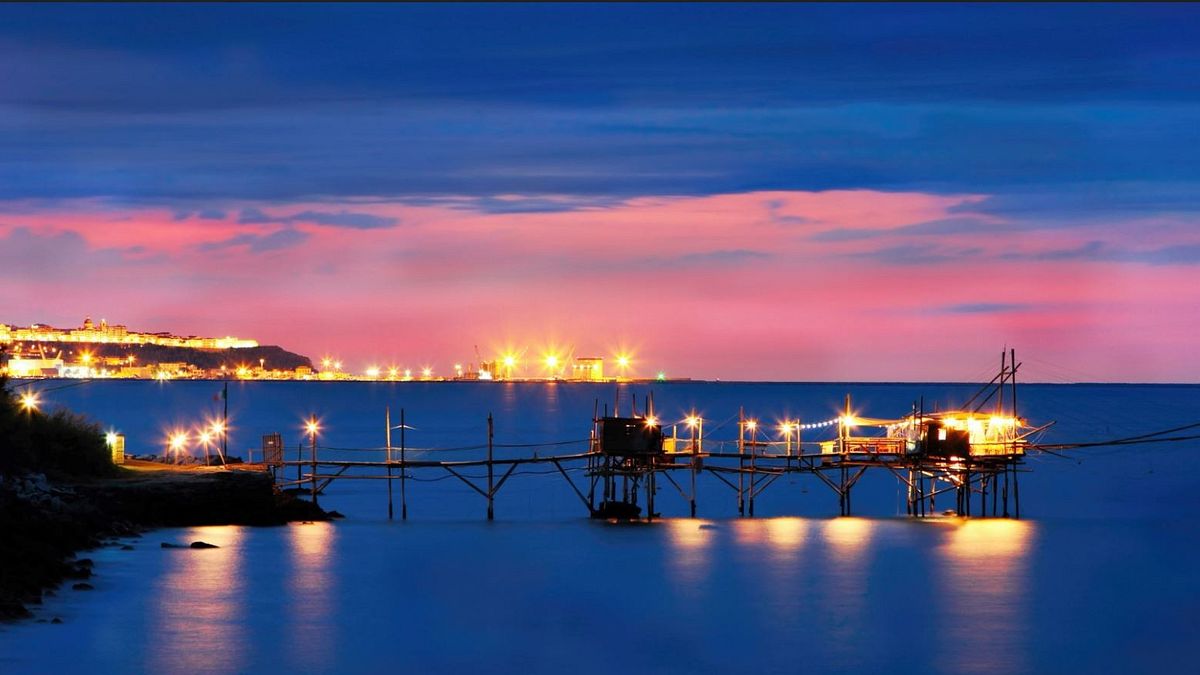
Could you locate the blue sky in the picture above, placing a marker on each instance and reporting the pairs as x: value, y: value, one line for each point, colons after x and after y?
x: 1068, y: 130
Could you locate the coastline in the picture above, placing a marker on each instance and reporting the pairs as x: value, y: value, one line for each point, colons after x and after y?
x: 45, y: 525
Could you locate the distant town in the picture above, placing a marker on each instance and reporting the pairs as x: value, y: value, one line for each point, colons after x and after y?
x: 98, y: 350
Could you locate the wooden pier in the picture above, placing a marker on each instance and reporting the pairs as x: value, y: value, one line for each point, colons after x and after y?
x: 968, y: 461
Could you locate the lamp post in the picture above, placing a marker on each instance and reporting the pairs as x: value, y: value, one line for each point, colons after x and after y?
x: 312, y: 427
x: 205, y: 437
x: 696, y: 424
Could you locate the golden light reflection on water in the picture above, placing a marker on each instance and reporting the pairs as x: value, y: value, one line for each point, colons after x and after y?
x: 690, y: 542
x: 310, y: 588
x: 201, y: 605
x: 984, y: 571
x: 846, y: 541
x: 847, y: 537
x: 786, y: 536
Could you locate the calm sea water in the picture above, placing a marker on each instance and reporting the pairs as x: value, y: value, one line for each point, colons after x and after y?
x: 1099, y: 576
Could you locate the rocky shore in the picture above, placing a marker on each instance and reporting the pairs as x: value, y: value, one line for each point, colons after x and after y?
x: 45, y: 524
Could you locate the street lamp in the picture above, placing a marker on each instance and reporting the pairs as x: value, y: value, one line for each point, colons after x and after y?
x: 205, y: 438
x: 29, y: 401
x: 312, y: 427
x: 177, y: 443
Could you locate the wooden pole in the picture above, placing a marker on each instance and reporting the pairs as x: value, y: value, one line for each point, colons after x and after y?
x: 313, y: 456
x: 692, y: 501
x: 491, y: 493
x: 741, y: 460
x: 403, y: 471
x: 225, y: 424
x: 387, y: 422
x: 1016, y: 492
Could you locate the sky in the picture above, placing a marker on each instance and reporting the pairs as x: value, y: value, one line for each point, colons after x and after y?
x: 761, y: 192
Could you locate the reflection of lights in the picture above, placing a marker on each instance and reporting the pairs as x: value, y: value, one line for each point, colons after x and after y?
x: 989, y: 539
x: 688, y: 534
x: 785, y: 534
x: 847, y: 536
x: 201, y: 603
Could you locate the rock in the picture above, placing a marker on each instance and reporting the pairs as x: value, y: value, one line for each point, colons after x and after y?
x: 203, y: 544
x: 126, y: 547
x: 85, y: 562
x: 56, y: 620
x: 170, y: 545
x: 335, y: 514
x: 79, y: 573
x: 81, y: 586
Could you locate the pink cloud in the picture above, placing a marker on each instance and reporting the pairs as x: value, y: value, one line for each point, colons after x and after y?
x: 730, y: 286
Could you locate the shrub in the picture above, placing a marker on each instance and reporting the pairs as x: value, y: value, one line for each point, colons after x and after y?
x: 61, y: 443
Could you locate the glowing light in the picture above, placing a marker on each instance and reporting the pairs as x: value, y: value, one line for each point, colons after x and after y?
x: 662, y: 375
x: 849, y: 421
x: 162, y: 376
x: 29, y: 401
x: 311, y: 427
x: 326, y: 363
x: 551, y: 361
x: 393, y: 372
x: 407, y: 374
x: 652, y: 421
x: 751, y: 425
x: 692, y: 421
x: 87, y: 358
x: 110, y: 439
x: 427, y: 372
x: 373, y: 372
x: 623, y: 360
x: 218, y: 428
x: 178, y: 440
x: 510, y: 361
x: 337, y: 365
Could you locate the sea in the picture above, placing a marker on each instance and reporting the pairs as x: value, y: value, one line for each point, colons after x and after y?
x: 1098, y: 575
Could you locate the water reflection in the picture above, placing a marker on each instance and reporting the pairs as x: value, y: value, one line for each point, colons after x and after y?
x: 690, y: 542
x: 846, y: 538
x: 311, y: 587
x: 201, y: 606
x: 845, y: 541
x: 786, y: 536
x: 984, y: 571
